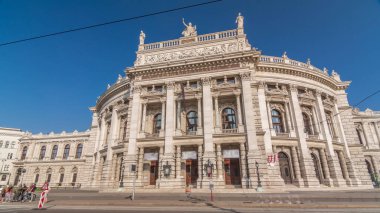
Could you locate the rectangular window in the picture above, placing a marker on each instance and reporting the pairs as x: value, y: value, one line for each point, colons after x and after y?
x: 6, y: 167
x: 3, y: 177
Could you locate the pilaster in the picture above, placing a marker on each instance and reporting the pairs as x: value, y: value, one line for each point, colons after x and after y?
x: 306, y: 163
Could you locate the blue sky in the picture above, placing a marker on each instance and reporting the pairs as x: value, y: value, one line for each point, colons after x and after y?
x: 48, y: 84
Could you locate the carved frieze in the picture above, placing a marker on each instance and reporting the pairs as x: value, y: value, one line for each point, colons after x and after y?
x: 189, y: 53
x: 279, y: 91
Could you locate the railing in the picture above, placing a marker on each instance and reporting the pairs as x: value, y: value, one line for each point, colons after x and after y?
x: 281, y: 60
x: 152, y: 135
x: 190, y: 132
x: 200, y: 38
x: 66, y: 185
x: 282, y: 134
x: 227, y: 131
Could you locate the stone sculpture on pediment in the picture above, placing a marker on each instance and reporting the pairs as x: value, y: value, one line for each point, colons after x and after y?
x: 190, y: 30
x: 142, y: 37
x: 240, y: 21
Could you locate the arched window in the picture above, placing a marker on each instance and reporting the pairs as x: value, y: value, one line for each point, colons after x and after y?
x: 307, y: 124
x: 330, y: 124
x: 229, y: 118
x: 42, y: 152
x: 78, y: 154
x: 157, y: 123
x: 54, y: 152
x: 359, y: 136
x: 192, y: 119
x: 277, y: 121
x: 49, y: 172
x: 13, y: 144
x: 24, y: 151
x: 123, y: 128
x: 6, y: 144
x: 1, y: 144
x: 66, y: 152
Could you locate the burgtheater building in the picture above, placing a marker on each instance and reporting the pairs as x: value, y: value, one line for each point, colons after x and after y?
x: 212, y: 107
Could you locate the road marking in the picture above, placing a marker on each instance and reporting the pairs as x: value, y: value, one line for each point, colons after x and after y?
x: 13, y: 208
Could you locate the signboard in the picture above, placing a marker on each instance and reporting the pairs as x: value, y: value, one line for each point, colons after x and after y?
x: 231, y: 153
x: 189, y: 155
x: 151, y: 156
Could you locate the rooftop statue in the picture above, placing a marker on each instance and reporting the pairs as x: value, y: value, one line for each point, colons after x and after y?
x: 240, y: 21
x: 142, y: 37
x: 190, y: 30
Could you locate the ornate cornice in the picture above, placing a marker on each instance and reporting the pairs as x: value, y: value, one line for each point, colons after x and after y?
x: 308, y: 74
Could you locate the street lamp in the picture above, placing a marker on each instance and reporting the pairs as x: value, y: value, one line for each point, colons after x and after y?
x: 122, y: 168
x: 208, y: 167
x: 259, y: 187
x: 167, y: 169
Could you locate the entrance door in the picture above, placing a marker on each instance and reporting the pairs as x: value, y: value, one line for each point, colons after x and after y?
x: 284, y: 167
x: 232, y: 171
x: 191, y: 172
x: 153, y: 172
x: 316, y: 167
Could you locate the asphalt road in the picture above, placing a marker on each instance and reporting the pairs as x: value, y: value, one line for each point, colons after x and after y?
x: 88, y: 209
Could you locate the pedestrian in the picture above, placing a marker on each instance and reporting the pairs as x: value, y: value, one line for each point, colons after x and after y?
x: 8, y: 194
x: 2, y: 194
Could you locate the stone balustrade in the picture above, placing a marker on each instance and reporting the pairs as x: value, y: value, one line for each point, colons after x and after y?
x: 200, y: 38
x: 281, y: 60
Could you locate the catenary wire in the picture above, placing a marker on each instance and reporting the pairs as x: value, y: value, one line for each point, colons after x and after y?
x: 108, y: 23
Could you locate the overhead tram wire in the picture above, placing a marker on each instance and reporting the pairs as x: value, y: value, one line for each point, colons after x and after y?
x: 108, y: 23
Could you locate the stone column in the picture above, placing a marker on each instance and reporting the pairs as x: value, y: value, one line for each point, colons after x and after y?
x: 199, y: 113
x: 368, y: 142
x: 269, y: 115
x: 200, y: 167
x: 265, y: 120
x: 112, y: 176
x: 163, y: 117
x: 219, y: 161
x: 178, y: 162
x: 374, y: 164
x: 377, y: 133
x: 289, y: 124
x: 325, y: 167
x: 238, y: 106
x: 143, y: 118
x: 254, y: 153
x: 332, y: 160
x: 141, y: 164
x: 317, y: 129
x: 243, y: 161
x: 114, y: 125
x: 297, y: 172
x: 217, y: 114
x: 352, y: 175
x: 306, y: 163
x: 130, y: 159
x: 207, y: 117
x: 161, y: 155
x: 178, y: 116
x: 343, y: 166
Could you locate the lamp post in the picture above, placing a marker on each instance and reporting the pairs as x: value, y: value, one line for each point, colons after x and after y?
x: 122, y: 168
x: 167, y: 169
x: 259, y: 187
x: 208, y: 167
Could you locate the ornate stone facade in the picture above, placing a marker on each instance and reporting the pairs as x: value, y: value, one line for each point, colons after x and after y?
x: 214, y: 100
